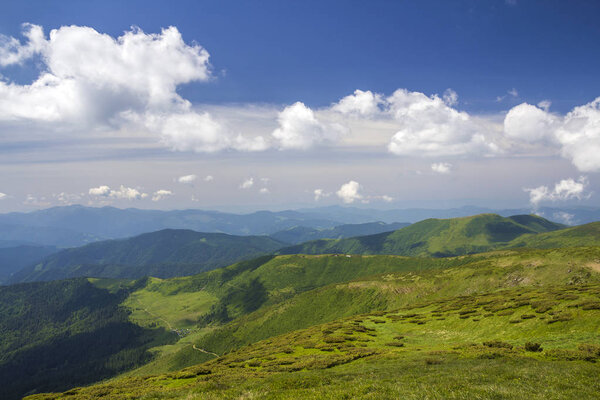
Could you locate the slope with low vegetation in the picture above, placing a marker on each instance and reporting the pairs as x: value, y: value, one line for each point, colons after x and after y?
x: 439, y: 237
x: 524, y: 341
x: 272, y: 325
x: 165, y: 253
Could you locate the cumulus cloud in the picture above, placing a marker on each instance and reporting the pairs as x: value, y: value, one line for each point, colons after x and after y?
x: 93, y: 77
x: 123, y: 192
x: 361, y: 103
x: 209, y: 178
x: 350, y: 192
x: 100, y: 191
x: 67, y: 198
x: 320, y: 194
x: 263, y: 191
x: 387, y: 199
x: 300, y: 129
x: 579, y: 136
x: 529, y: 123
x: 566, y: 189
x: 577, y: 133
x: 441, y: 168
x: 3, y: 196
x: 161, y: 194
x: 247, y: 184
x: 430, y: 127
x: 187, y: 179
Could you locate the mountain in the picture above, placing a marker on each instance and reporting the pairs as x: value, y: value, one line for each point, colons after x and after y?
x: 436, y: 237
x: 56, y: 334
x: 301, y: 234
x: 355, y: 215
x: 166, y: 253
x: 14, y: 259
x: 77, y: 225
x: 341, y: 327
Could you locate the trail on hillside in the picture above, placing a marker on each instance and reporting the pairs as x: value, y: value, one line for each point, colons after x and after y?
x: 155, y: 316
x: 204, y: 351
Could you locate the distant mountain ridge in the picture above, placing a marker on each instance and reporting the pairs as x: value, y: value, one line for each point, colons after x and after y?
x: 77, y: 225
x: 436, y: 237
x: 300, y: 234
x: 166, y: 253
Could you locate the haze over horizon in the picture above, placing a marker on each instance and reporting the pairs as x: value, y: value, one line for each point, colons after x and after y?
x: 233, y: 107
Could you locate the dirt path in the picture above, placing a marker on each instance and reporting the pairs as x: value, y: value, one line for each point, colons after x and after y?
x: 204, y: 351
x: 154, y: 315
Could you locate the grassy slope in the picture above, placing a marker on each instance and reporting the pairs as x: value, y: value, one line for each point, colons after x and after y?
x: 398, y: 286
x: 471, y: 346
x: 448, y: 237
x: 54, y: 335
x: 164, y: 253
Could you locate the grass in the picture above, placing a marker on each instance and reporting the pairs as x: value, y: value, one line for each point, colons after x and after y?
x: 361, y: 356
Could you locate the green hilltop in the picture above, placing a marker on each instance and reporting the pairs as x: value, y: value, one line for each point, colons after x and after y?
x: 355, y: 325
x: 166, y: 253
x: 474, y: 326
x: 441, y: 237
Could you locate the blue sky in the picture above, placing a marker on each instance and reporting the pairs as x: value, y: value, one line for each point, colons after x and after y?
x: 449, y: 94
x: 312, y: 51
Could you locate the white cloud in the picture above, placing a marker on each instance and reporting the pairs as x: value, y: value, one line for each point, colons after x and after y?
x: 91, y: 77
x: 209, y: 178
x: 577, y: 133
x: 100, y: 191
x: 450, y: 97
x: 430, y: 127
x: 579, y: 136
x: 247, y: 184
x: 161, y: 194
x: 67, y: 198
x: 544, y: 105
x: 13, y: 52
x: 300, y: 129
x: 320, y: 194
x: 441, y: 168
x: 263, y: 191
x: 566, y: 189
x: 187, y: 179
x: 564, y: 217
x: 32, y: 200
x: 513, y: 92
x: 528, y: 123
x: 363, y: 103
x: 387, y: 199
x: 123, y: 192
x: 3, y: 196
x: 350, y: 192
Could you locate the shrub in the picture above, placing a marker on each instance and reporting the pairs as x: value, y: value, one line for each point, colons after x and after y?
x: 534, y: 347
x: 498, y: 344
x: 527, y: 316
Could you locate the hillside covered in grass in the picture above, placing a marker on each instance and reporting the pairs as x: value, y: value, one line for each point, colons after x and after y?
x: 441, y: 237
x: 54, y: 335
x: 300, y: 234
x: 165, y: 253
x: 216, y: 319
x: 526, y: 342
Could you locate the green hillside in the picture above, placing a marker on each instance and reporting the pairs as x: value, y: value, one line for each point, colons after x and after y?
x: 241, y: 330
x: 438, y: 237
x: 522, y: 342
x: 54, y: 335
x: 300, y: 234
x: 165, y: 253
x: 386, y: 282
